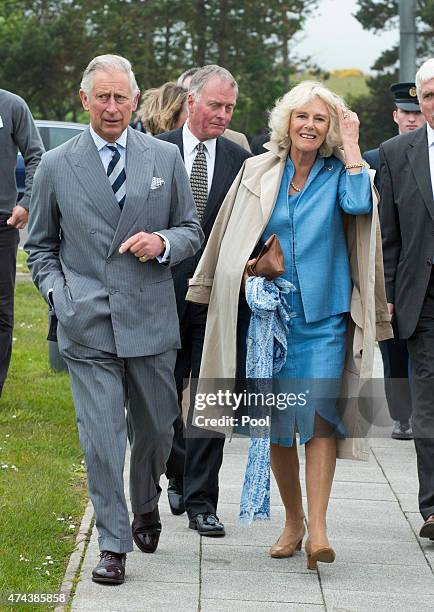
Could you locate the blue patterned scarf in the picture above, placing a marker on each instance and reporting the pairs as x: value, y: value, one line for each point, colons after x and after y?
x: 266, y: 355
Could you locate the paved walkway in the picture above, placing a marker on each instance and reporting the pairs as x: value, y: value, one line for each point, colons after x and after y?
x: 373, y: 523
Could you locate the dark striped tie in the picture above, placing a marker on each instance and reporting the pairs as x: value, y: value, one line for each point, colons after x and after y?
x: 116, y: 175
x: 199, y: 180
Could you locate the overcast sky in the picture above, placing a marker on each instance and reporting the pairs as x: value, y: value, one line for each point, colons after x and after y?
x: 335, y: 39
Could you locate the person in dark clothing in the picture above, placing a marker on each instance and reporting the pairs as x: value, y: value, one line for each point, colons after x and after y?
x: 212, y: 162
x: 407, y: 222
x: 408, y: 117
x: 18, y: 132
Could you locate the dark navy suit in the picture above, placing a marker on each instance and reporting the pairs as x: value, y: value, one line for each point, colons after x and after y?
x: 394, y: 351
x: 407, y: 221
x: 199, y: 458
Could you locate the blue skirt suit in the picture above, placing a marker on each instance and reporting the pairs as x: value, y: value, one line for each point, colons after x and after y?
x: 310, y: 229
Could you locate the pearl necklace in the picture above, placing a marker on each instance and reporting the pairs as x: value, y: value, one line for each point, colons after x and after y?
x: 294, y: 186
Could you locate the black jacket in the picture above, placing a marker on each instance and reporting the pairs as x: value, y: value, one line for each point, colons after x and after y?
x: 228, y: 161
x: 407, y: 224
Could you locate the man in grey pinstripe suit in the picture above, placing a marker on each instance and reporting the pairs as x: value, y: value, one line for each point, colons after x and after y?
x: 111, y: 212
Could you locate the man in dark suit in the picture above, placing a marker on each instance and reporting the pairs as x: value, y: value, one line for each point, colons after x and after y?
x: 408, y: 117
x: 407, y: 221
x: 212, y: 163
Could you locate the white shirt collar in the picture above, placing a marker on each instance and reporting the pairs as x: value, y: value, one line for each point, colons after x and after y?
x: 100, y: 143
x: 190, y: 141
x: 430, y: 134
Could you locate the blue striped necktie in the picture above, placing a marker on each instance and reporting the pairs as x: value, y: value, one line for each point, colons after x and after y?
x: 116, y: 175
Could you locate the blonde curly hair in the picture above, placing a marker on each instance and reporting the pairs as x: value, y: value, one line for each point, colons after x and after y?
x: 296, y: 97
x: 162, y: 107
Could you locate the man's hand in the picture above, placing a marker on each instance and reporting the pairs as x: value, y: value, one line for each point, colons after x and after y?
x: 390, y: 308
x: 144, y: 245
x: 19, y: 217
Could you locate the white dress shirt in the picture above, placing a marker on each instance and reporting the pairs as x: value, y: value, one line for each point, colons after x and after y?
x: 190, y: 143
x: 103, y: 150
x: 430, y: 134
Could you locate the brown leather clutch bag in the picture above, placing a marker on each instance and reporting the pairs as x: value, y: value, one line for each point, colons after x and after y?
x: 270, y: 263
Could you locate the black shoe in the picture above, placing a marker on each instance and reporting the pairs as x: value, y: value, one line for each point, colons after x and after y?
x: 146, y: 529
x: 402, y: 431
x: 207, y: 524
x: 175, y: 494
x: 111, y: 568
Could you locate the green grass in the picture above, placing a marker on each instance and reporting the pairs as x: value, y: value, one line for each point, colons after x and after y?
x: 353, y: 86
x: 38, y: 436
x: 345, y: 86
x: 22, y: 261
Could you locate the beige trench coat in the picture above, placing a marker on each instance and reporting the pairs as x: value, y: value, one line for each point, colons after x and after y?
x: 240, y: 223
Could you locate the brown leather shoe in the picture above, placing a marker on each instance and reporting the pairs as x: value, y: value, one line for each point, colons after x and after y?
x: 111, y: 568
x: 146, y: 530
x: 427, y: 530
x: 287, y: 544
x: 315, y: 553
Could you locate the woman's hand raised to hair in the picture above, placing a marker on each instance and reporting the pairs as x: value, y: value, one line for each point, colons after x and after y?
x: 349, y: 126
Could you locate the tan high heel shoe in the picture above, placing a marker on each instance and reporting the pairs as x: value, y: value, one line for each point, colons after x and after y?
x: 321, y: 553
x: 279, y: 551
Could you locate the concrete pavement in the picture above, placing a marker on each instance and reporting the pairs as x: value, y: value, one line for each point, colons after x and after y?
x: 373, y: 522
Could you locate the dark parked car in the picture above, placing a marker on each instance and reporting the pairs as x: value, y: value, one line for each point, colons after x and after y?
x: 53, y: 134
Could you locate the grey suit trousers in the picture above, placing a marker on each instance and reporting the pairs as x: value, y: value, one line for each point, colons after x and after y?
x: 103, y: 385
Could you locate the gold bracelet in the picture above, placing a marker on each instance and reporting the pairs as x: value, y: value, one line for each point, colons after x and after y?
x: 356, y: 165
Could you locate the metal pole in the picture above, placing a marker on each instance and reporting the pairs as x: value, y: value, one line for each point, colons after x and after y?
x: 407, y: 43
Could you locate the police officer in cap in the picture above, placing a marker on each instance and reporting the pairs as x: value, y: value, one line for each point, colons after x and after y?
x: 408, y: 117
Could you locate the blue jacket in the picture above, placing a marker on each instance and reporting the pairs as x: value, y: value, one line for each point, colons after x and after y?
x: 321, y: 256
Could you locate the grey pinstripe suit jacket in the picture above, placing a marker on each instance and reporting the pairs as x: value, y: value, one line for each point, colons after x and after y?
x: 102, y: 299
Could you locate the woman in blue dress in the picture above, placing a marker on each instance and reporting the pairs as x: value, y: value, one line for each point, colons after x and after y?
x: 316, y: 187
x: 304, y: 192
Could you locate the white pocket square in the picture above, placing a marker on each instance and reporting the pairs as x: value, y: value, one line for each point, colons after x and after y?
x: 156, y: 182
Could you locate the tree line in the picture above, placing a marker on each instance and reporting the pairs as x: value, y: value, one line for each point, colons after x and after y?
x: 46, y: 44
x: 375, y: 108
